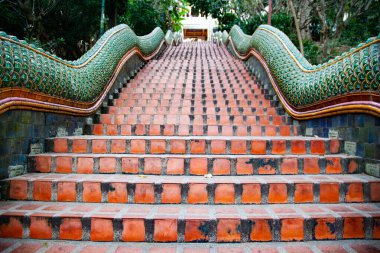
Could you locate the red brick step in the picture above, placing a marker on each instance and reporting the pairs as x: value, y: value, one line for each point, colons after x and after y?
x: 194, y: 190
x: 341, y: 246
x: 178, y: 164
x: 238, y: 145
x: 166, y: 223
x: 195, y: 130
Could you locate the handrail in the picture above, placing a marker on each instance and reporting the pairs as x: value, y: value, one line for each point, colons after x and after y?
x: 348, y: 84
x: 31, y: 78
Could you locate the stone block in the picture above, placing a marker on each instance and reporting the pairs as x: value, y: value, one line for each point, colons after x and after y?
x: 373, y: 134
x: 18, y: 159
x: 12, y: 129
x: 369, y: 150
x: 377, y: 121
x: 3, y: 146
x: 343, y: 120
x: 38, y: 117
x: 333, y: 134
x: 372, y: 169
x: 38, y: 131
x: 359, y: 120
x: 360, y: 149
x: 25, y: 130
x: 309, y: 131
x: 36, y: 148
x: 26, y: 117
x: 377, y: 152
x: 16, y: 170
x: 355, y: 134
x: 25, y: 145
x: 350, y: 147
x: 4, y: 163
x: 3, y: 127
x: 363, y: 134
x: 350, y: 119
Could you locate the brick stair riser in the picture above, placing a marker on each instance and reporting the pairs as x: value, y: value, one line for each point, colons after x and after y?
x: 193, y: 130
x: 194, y: 192
x: 179, y: 165
x: 136, y: 228
x: 204, y: 119
x: 194, y: 146
x: 260, y: 105
x: 203, y: 110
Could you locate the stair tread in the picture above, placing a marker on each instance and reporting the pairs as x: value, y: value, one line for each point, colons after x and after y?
x: 183, y: 210
x: 318, y: 178
x: 353, y: 246
x: 266, y: 156
x: 138, y: 137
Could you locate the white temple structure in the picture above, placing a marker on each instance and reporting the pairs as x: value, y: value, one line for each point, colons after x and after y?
x: 198, y: 27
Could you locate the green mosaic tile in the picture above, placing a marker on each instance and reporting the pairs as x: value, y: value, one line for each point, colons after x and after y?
x: 356, y: 71
x: 24, y: 65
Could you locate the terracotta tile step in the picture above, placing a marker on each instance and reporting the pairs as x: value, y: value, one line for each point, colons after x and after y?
x: 187, y: 92
x: 191, y: 88
x: 208, y: 110
x: 235, y: 145
x: 151, y: 189
x: 185, y: 80
x: 199, y: 102
x: 179, y: 118
x: 209, y: 68
x: 195, y: 164
x: 339, y: 246
x: 221, y: 77
x: 147, y: 223
x: 342, y: 246
x: 213, y: 79
x: 207, y: 65
x: 239, y: 120
x: 196, y: 130
x: 166, y: 70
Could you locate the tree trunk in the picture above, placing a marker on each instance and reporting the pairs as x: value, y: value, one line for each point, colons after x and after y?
x: 320, y: 8
x: 304, y: 17
x: 269, y: 12
x: 339, y: 20
x: 297, y: 25
x: 112, y: 13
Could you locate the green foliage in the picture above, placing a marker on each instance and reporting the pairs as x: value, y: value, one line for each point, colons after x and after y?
x: 227, y: 21
x: 311, y: 51
x: 281, y: 20
x: 68, y: 28
x: 71, y: 23
x: 144, y: 15
x: 359, y: 29
x: 141, y: 17
x: 67, y: 24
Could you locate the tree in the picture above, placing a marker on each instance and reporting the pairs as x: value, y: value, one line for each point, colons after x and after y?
x: 32, y: 12
x: 269, y: 12
x: 291, y: 6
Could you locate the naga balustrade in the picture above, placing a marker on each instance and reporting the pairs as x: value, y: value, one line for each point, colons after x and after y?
x: 33, y: 79
x: 349, y: 83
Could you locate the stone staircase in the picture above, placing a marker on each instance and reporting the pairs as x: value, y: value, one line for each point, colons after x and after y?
x: 193, y: 150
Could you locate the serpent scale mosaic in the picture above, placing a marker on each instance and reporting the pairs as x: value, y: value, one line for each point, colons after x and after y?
x: 346, y: 84
x: 31, y: 78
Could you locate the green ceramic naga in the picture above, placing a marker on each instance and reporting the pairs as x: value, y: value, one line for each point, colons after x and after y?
x: 352, y: 79
x: 28, y: 69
